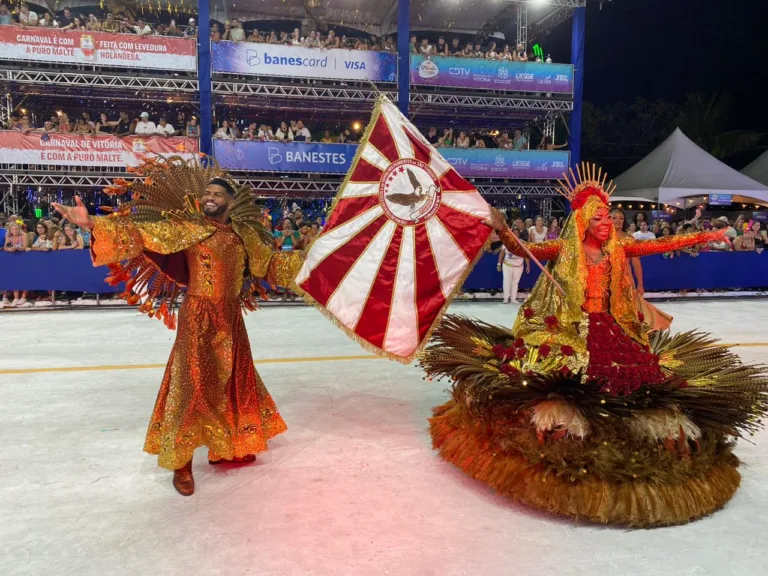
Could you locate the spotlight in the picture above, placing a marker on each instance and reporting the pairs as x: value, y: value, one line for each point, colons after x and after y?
x: 356, y: 126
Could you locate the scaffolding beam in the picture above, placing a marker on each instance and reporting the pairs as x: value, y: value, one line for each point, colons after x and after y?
x: 84, y: 80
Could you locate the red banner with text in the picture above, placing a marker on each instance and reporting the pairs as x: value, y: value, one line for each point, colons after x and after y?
x: 75, y: 150
x: 97, y: 48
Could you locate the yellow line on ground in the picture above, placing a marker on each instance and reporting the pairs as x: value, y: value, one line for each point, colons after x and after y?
x: 147, y: 366
x: 257, y: 362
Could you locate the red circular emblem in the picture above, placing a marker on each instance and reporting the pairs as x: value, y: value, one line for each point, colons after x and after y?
x: 409, y: 192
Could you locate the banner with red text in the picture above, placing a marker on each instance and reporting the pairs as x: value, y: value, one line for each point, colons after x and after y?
x: 86, y: 150
x: 97, y: 48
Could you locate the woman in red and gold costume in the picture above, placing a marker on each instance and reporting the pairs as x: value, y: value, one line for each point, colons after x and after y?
x: 580, y: 409
x: 191, y: 229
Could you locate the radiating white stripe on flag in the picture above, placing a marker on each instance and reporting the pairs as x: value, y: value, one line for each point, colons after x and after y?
x: 402, y: 335
x: 372, y: 155
x: 395, y: 120
x: 439, y: 164
x: 327, y: 243
x: 348, y: 301
x: 468, y: 202
x: 451, y: 262
x: 356, y: 190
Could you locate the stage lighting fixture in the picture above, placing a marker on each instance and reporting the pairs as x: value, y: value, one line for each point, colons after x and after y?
x: 356, y: 126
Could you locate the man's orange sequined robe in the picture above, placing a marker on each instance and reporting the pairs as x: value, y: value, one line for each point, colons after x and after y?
x: 211, y: 394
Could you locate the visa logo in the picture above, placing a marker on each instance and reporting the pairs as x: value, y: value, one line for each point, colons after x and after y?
x: 354, y: 65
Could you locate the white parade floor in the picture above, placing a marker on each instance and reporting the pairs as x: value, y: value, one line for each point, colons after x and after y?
x: 353, y: 487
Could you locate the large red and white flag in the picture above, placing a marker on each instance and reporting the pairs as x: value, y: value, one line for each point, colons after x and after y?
x: 403, y: 233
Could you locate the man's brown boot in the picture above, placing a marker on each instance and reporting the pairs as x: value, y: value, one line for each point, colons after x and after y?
x: 183, y: 480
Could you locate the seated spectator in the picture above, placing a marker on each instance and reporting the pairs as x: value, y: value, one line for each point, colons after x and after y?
x: 225, y: 132
x: 506, y: 54
x: 193, y: 130
x: 42, y: 243
x: 326, y: 139
x: 302, y: 133
x: 284, y: 133
x: 191, y: 31
x: 432, y: 136
x: 644, y: 233
x: 463, y: 140
x: 144, y: 127
x: 492, y: 54
x: 164, y: 129
x: 27, y: 17
x: 142, y: 28
x: 71, y: 239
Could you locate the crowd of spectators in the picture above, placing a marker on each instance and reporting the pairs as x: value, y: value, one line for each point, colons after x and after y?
x: 108, y: 22
x: 120, y: 124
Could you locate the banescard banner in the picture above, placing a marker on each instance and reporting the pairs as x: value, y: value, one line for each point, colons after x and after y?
x: 297, y: 62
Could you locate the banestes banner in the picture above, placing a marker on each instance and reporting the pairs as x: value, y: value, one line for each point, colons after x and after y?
x: 97, y: 48
x: 85, y: 150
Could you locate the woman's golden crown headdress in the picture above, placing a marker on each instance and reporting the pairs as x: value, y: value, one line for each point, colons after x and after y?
x: 589, y: 180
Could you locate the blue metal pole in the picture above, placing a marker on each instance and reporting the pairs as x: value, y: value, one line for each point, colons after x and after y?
x: 403, y: 57
x: 204, y: 76
x: 577, y: 59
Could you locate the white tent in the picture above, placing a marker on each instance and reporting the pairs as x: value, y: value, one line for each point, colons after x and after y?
x: 678, y: 168
x: 758, y: 169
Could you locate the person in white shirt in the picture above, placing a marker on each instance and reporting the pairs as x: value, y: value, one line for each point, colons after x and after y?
x: 27, y: 17
x: 511, y: 267
x: 145, y: 127
x: 265, y: 133
x: 644, y: 233
x: 142, y: 28
x: 164, y: 129
x: 537, y: 233
x: 302, y: 133
x: 284, y: 133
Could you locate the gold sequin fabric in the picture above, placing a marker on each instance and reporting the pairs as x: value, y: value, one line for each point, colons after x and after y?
x: 211, y: 394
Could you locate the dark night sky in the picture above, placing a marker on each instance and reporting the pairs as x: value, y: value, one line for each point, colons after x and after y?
x: 668, y: 48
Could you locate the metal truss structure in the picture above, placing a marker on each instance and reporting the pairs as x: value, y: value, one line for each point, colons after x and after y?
x: 492, y: 102
x: 94, y: 80
x: 522, y: 24
x: 554, y: 3
x: 298, y: 91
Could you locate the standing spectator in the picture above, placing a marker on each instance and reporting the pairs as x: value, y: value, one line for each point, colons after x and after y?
x: 505, y: 142
x: 215, y: 32
x: 468, y: 51
x: 463, y: 140
x: 480, y: 142
x: 173, y: 30
x: 191, y: 31
x: 478, y: 51
x: 521, y: 54
x: 432, y: 136
x: 145, y: 127
x: 287, y: 238
x: 302, y: 133
x: 554, y: 230
x: 326, y: 139
x: 255, y: 36
x: 511, y: 267
x: 48, y: 128
x: 522, y: 230
x: 110, y: 24
x: 252, y: 132
x: 142, y: 28
x: 506, y: 54
x: 312, y: 41
x: 193, y: 130
x: 164, y: 129
x: 93, y: 23
x: 235, y: 32
x: 16, y: 240
x: 492, y: 54
x: 65, y: 20
x: 547, y: 144
x: 284, y: 133
x: 745, y: 242
x: 425, y: 47
x: 265, y: 133
x: 456, y: 48
x: 225, y: 132
x: 71, y: 239
x: 27, y: 17
x: 78, y: 23
x: 104, y: 126
x: 412, y: 46
x: 25, y: 126
x: 722, y: 223
x: 48, y: 21
x: 5, y: 20
x: 83, y: 126
x: 65, y: 124
x: 122, y: 126
x: 42, y: 243
x: 389, y: 45
x: 447, y: 139
x: 295, y: 37
x: 537, y: 233
x: 644, y: 233
x: 332, y: 41
x: 442, y: 47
